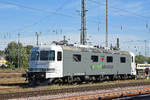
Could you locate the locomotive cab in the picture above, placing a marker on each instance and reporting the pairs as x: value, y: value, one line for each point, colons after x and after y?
x: 45, y: 63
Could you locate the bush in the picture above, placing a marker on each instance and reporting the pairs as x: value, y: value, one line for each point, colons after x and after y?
x: 10, y: 65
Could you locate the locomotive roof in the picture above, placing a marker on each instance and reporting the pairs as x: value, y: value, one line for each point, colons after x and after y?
x: 83, y: 48
x: 95, y: 49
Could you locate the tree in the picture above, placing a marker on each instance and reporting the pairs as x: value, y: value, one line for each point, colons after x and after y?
x: 140, y: 59
x: 2, y: 53
x: 28, y: 49
x: 16, y: 52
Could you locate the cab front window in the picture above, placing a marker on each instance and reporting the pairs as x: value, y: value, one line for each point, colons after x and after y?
x: 47, y: 55
x: 44, y: 55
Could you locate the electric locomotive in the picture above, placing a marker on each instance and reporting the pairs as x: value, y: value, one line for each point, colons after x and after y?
x: 78, y: 63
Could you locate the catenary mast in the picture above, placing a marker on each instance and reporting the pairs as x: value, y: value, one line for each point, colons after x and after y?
x: 83, y: 23
x: 106, y: 24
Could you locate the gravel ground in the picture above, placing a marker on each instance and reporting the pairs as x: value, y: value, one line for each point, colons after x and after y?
x: 63, y: 95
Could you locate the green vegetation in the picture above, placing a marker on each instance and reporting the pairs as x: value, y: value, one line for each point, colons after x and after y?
x: 2, y: 53
x: 140, y: 59
x: 17, y: 55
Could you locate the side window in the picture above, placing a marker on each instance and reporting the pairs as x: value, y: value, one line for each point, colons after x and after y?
x: 76, y: 58
x: 122, y: 59
x: 52, y: 55
x: 94, y: 58
x: 109, y: 59
x: 59, y: 56
x: 132, y: 58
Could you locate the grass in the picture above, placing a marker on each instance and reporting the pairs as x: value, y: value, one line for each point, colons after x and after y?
x: 12, y: 80
x: 11, y: 70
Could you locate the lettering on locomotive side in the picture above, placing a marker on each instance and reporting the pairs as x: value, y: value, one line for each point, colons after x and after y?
x: 97, y: 66
x: 102, y: 66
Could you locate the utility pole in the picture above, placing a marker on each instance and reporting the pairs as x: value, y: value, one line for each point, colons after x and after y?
x: 146, y: 49
x: 118, y: 46
x: 18, y: 50
x: 37, y: 38
x: 106, y: 24
x: 83, y: 23
x: 64, y: 38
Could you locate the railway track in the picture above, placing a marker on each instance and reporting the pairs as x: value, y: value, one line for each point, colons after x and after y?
x: 110, y: 95
x: 70, y: 90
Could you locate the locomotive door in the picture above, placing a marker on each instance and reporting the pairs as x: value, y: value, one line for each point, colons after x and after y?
x: 58, y: 63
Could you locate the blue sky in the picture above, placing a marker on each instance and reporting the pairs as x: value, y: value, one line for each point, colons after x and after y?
x: 29, y: 16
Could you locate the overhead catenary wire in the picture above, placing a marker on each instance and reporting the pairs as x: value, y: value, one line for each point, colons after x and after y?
x: 39, y: 21
x: 124, y: 10
x: 39, y: 10
x: 66, y: 15
x: 36, y: 9
x: 42, y: 10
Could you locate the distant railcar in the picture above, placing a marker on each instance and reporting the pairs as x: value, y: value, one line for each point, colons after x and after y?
x: 69, y: 64
x: 143, y: 66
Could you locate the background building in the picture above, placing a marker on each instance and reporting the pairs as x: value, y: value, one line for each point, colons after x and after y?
x: 2, y: 60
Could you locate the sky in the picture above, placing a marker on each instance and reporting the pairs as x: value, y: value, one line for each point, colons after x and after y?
x: 128, y: 20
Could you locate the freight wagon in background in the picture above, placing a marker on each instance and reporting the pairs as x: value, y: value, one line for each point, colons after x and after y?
x: 143, y: 66
x: 143, y: 69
